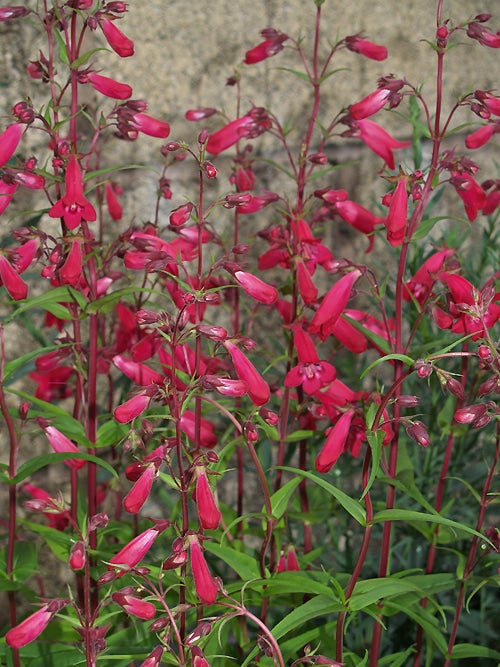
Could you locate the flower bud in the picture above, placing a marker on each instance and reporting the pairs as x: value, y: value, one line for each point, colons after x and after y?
x: 472, y: 414
x: 210, y: 169
x: 418, y: 431
x: 423, y: 368
x: 77, y: 556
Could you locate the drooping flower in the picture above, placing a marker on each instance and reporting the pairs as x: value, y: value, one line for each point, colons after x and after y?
x: 114, y: 207
x: 73, y: 207
x: 366, y: 48
x: 29, y: 629
x: 370, y: 104
x: 204, y: 583
x: 77, y: 556
x: 256, y: 288
x: 71, y: 271
x: 310, y: 372
x: 9, y: 141
x: 128, y: 411
x: 379, y: 140
x: 139, y: 493
x: 335, y: 442
x: 11, y: 280
x: 397, y: 218
x: 208, y: 512
x: 258, y: 389
x: 62, y: 444
x: 154, y: 658
x: 491, y: 102
x: 272, y: 45
x: 153, y: 127
x: 199, y: 114
x: 7, y: 191
x: 254, y: 123
x: 107, y: 86
x: 333, y: 304
x: 421, y: 284
x: 133, y: 552
x: 134, y: 606
x: 470, y: 192
x: 483, y: 35
x: 119, y: 42
x: 481, y: 136
x: 13, y: 12
x: 208, y: 438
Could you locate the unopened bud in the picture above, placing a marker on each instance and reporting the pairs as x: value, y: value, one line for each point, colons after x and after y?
x: 488, y: 386
x: 418, y: 432
x: 455, y: 387
x: 471, y: 414
x: 210, y: 170
x: 407, y: 401
x: 423, y: 368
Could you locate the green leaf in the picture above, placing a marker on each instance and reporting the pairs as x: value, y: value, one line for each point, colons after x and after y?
x: 388, y: 357
x: 110, y: 433
x: 425, y: 619
x: 461, y: 651
x: 285, y: 583
x: 352, y: 506
x: 426, y: 226
x: 377, y: 340
x: 410, y: 516
x: 44, y: 460
x: 372, y: 591
x: 320, y: 605
x: 63, y: 53
x: 280, y: 499
x: 301, y: 75
x: 244, y: 565
x: 11, y: 367
x: 49, y: 301
x: 78, y: 62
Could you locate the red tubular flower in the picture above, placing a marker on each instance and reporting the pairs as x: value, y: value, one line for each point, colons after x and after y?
x: 151, y: 126
x: 258, y: 389
x: 335, y: 442
x: 420, y: 285
x: 107, y: 86
x: 133, y: 552
x: 266, y: 49
x: 199, y: 114
x: 397, y: 218
x: 134, y: 605
x: 139, y: 373
x: 77, y: 556
x: 370, y: 104
x: 334, y: 303
x: 12, y: 281
x: 62, y: 444
x: 198, y: 657
x: 470, y: 192
x: 491, y: 102
x: 71, y: 271
x: 307, y: 289
x: 310, y: 372
x: 366, y: 48
x: 358, y: 216
x: 29, y: 629
x: 206, y: 588
x: 7, y: 191
x: 418, y: 431
x: 139, y: 493
x: 228, y: 135
x: 9, y: 141
x: 207, y: 433
x: 119, y: 42
x: 181, y: 215
x: 380, y: 141
x: 208, y: 512
x: 154, y: 658
x: 480, y: 137
x: 114, y: 207
x: 13, y: 12
x: 483, y: 35
x: 128, y: 411
x: 256, y: 288
x: 73, y: 207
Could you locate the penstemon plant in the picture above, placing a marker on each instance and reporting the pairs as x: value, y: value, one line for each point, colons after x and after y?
x: 264, y: 453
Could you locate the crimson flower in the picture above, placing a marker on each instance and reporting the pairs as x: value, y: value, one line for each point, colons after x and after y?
x: 335, y: 442
x: 77, y: 556
x: 310, y: 372
x: 491, y: 102
x: 154, y: 658
x: 7, y: 191
x: 9, y: 141
x: 470, y: 192
x: 151, y: 126
x: 208, y: 512
x: 119, y: 42
x: 482, y: 135
x: 12, y: 281
x: 134, y: 605
x: 114, y: 207
x: 333, y: 303
x: 370, y: 104
x: 254, y: 123
x: 71, y: 271
x: 204, y: 583
x: 107, y: 86
x: 128, y: 411
x: 379, y: 140
x: 366, y: 48
x: 208, y: 439
x: 139, y: 493
x: 73, y: 206
x: 421, y: 284
x: 256, y: 288
x: 133, y: 552
x: 258, y: 389
x: 269, y: 47
x: 397, y: 218
x: 29, y: 629
x: 483, y: 35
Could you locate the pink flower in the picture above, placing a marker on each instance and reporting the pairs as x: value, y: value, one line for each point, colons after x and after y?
x: 470, y: 192
x: 208, y: 512
x: 9, y: 140
x: 133, y: 552
x: 62, y: 444
x: 370, y: 104
x: 198, y: 657
x: 139, y: 373
x: 181, y: 215
x: 335, y: 442
x: 120, y: 44
x: 269, y: 47
x: 29, y: 629
x: 151, y: 126
x: 207, y: 433
x: 43, y: 502
x: 310, y: 372
x: 289, y: 562
x: 333, y: 303
x: 134, y: 605
x: 484, y: 35
x: 397, y: 218
x: 128, y: 411
x: 491, y: 102
x: 206, y: 588
x: 256, y: 288
x: 380, y: 141
x: 481, y: 136
x: 258, y: 389
x: 418, y: 431
x: 154, y: 658
x: 107, y: 86
x: 71, y: 271
x: 14, y: 12
x: 366, y: 48
x: 358, y: 216
x: 421, y: 284
x: 114, y: 207
x: 307, y: 289
x: 199, y: 114
x: 73, y: 207
x: 7, y: 191
x: 139, y: 493
x: 77, y: 556
x: 250, y: 126
x: 10, y: 278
